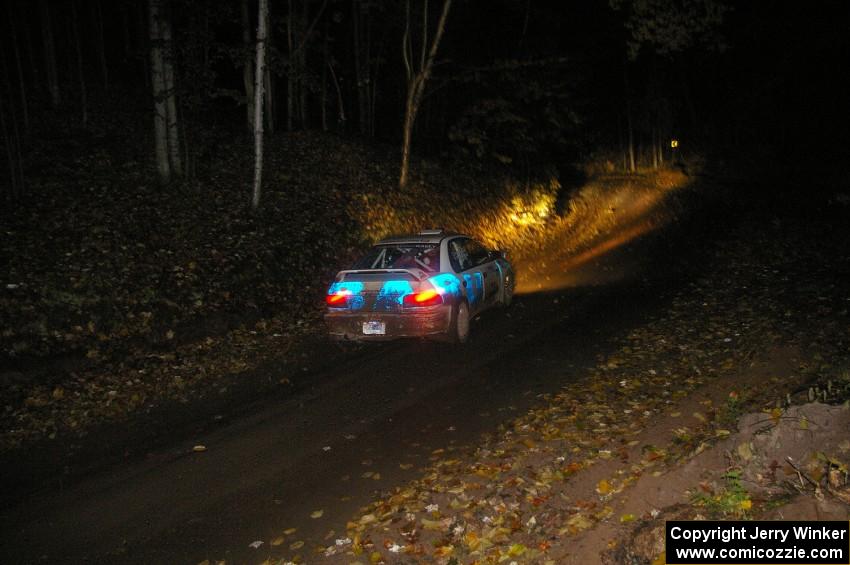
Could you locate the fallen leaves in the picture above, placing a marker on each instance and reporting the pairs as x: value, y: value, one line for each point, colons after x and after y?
x: 577, y: 523
x: 505, y: 500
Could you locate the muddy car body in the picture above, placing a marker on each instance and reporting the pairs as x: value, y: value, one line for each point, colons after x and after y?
x: 426, y: 285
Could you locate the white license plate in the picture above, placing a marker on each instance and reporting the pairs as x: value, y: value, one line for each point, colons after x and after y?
x: 374, y: 328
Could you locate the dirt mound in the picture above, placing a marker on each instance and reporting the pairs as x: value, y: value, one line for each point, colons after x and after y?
x: 801, y: 445
x: 779, y: 466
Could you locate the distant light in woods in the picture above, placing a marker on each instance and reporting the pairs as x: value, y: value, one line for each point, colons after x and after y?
x: 674, y: 143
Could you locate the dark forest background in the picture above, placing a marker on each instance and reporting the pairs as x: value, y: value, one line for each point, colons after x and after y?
x: 752, y: 89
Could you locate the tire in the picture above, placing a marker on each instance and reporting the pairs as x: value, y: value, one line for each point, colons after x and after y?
x: 461, y: 323
x: 508, y: 292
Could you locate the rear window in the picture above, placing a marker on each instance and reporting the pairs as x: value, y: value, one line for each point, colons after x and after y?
x: 425, y: 256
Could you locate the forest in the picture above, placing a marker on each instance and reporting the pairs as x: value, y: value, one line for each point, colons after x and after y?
x: 514, y: 84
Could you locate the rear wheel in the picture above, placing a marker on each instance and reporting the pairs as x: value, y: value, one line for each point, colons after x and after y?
x: 460, y: 327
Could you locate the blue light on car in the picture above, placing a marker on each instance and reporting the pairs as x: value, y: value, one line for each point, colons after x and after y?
x: 474, y: 287
x: 355, y: 288
x: 446, y: 283
x: 392, y: 291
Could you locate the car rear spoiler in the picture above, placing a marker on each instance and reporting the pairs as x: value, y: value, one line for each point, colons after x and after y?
x: 416, y: 274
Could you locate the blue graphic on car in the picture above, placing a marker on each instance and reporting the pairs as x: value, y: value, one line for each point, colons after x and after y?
x: 392, y: 295
x: 474, y: 287
x: 446, y: 283
x: 354, y: 292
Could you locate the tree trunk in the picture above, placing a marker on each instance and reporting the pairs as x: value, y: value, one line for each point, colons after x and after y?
x: 101, y: 47
x: 49, y: 55
x: 125, y: 32
x: 12, y: 158
x: 409, y: 117
x: 416, y: 80
x: 323, y: 95
x: 630, y: 135
x: 159, y: 95
x: 206, y: 35
x: 13, y: 141
x: 290, y: 74
x: 170, y: 95
x: 258, y: 101
x: 13, y: 24
x: 372, y: 78
x: 143, y: 39
x: 302, y: 66
x: 248, y: 64
x: 28, y: 45
x: 340, y: 102
x: 79, y: 54
x: 654, y: 149
x: 359, y: 69
x: 660, y: 149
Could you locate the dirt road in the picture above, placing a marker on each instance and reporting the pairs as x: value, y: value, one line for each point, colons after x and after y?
x: 368, y: 424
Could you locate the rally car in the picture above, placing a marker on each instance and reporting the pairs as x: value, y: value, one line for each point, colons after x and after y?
x: 430, y: 284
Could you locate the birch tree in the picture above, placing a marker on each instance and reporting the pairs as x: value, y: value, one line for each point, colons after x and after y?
x: 259, y: 74
x: 158, y: 85
x: 170, y: 96
x: 417, y: 76
x: 166, y: 130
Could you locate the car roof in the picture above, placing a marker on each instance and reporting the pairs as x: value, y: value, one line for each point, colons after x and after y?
x: 425, y: 236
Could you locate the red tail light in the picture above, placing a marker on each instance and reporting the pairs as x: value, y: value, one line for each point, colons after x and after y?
x: 338, y: 299
x: 428, y: 297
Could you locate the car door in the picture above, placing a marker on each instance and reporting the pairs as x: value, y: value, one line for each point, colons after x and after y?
x: 484, y: 263
x: 470, y: 274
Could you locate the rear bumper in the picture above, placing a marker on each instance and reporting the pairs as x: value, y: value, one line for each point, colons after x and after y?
x: 419, y: 323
